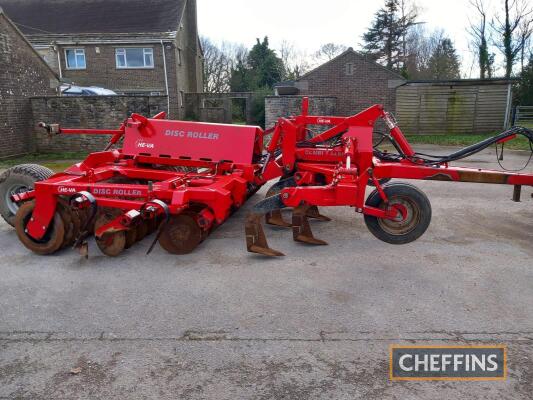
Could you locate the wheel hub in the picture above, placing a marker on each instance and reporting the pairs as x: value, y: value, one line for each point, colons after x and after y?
x: 407, y: 218
x: 11, y: 191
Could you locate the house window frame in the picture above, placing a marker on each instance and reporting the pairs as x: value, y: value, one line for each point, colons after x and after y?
x: 75, y: 49
x: 145, y: 52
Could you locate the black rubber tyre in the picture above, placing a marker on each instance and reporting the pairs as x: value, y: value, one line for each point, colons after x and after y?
x: 17, y: 179
x: 418, y: 214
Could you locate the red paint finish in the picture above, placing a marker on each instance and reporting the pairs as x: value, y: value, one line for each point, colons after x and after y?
x: 330, y: 169
x: 191, y: 140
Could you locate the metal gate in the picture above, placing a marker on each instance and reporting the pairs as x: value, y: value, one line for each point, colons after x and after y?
x: 523, y: 116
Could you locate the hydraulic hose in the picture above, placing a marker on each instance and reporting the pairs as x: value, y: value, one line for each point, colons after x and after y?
x: 430, y: 159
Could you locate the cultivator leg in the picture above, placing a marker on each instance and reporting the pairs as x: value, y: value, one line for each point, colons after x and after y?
x: 275, y: 217
x: 255, y: 236
x: 314, y: 213
x: 301, y: 230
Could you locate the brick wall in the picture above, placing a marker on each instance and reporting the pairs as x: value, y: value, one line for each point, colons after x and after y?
x: 101, y: 112
x: 285, y: 106
x: 357, y: 83
x: 22, y: 75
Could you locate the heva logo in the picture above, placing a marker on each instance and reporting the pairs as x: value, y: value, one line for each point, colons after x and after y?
x: 66, y: 189
x: 141, y: 144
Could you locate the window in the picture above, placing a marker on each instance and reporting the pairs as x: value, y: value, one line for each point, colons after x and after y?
x: 75, y: 58
x: 135, y: 57
x: 179, y: 56
x: 350, y: 69
x: 182, y: 98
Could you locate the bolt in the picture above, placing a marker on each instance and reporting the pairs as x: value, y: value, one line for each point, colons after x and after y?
x: 285, y: 195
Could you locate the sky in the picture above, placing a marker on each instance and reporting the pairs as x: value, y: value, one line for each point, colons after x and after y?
x: 307, y: 24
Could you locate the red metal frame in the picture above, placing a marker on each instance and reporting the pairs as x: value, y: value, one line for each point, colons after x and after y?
x: 347, y: 168
x: 222, y: 186
x: 233, y: 165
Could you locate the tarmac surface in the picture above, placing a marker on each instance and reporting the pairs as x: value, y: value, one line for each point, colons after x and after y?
x: 317, y: 324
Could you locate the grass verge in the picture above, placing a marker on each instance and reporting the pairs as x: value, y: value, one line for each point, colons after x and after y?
x: 520, y: 143
x: 55, y: 161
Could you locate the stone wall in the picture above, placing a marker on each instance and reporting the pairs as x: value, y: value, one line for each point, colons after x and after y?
x: 215, y: 115
x: 216, y: 107
x: 22, y: 74
x: 284, y: 106
x: 100, y: 112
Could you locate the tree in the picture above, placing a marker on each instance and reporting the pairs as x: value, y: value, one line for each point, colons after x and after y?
x: 217, y: 68
x: 219, y: 63
x: 524, y: 91
x: 385, y: 39
x: 444, y: 62
x: 257, y: 72
x: 526, y: 31
x: 266, y: 67
x: 409, y: 14
x: 295, y: 62
x: 479, y: 40
x: 328, y: 52
x: 241, y: 79
x: 421, y: 47
x: 513, y: 30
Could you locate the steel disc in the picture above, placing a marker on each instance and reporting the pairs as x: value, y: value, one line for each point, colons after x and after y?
x: 181, y: 235
x: 131, y: 237
x: 141, y: 231
x: 66, y: 216
x: 76, y: 221
x: 51, y: 241
x: 152, y: 225
x: 111, y: 244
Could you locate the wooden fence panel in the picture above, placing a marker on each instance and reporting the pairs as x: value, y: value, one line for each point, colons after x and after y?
x: 443, y: 109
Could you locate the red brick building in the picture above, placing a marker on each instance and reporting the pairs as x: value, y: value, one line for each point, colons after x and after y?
x: 354, y: 80
x: 130, y: 46
x: 23, y: 74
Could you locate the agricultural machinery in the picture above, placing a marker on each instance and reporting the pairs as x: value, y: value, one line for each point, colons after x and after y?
x: 183, y: 179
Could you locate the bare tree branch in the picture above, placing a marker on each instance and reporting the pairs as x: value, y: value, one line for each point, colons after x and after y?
x: 513, y: 30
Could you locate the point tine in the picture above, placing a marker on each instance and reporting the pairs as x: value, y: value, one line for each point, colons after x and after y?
x: 276, y: 218
x: 255, y: 237
x: 313, y: 212
x: 301, y: 230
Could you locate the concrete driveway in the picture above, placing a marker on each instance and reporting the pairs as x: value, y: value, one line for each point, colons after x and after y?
x: 223, y: 324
